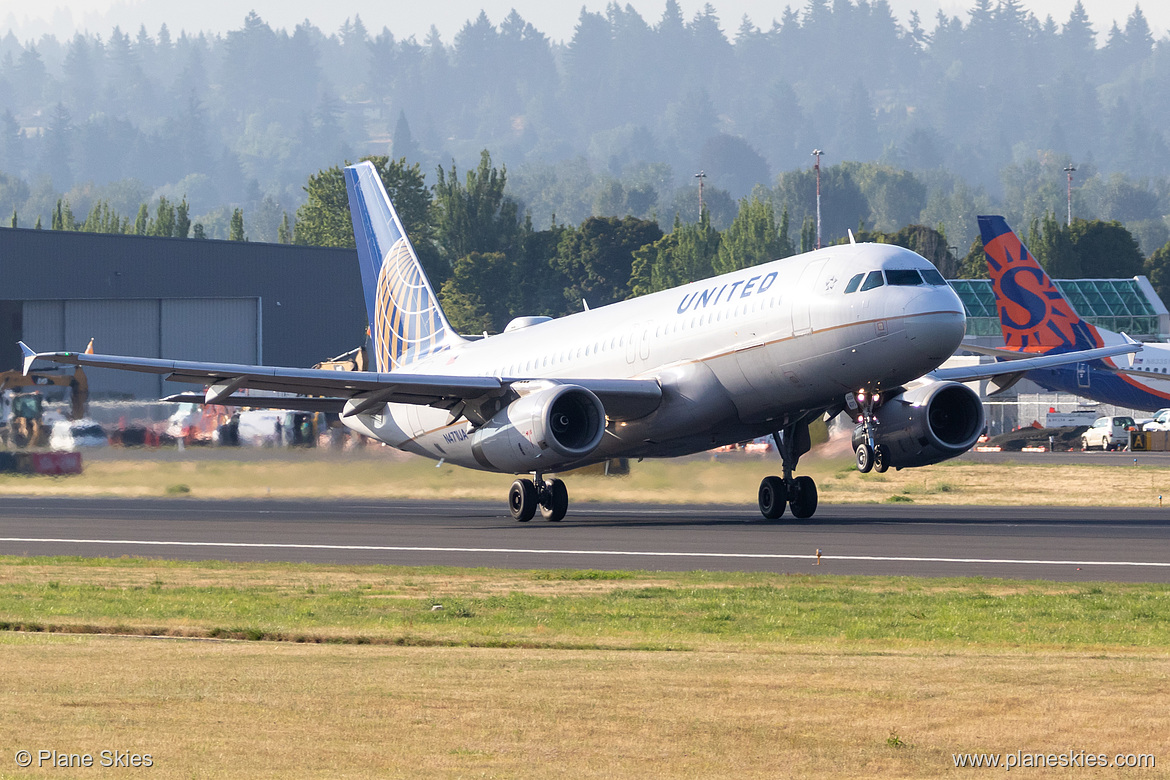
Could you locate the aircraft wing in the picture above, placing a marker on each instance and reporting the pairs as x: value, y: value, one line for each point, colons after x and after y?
x: 999, y: 352
x: 623, y: 399
x: 1137, y: 372
x: 1020, y: 365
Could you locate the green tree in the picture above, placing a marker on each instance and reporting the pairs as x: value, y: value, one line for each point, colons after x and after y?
x: 1157, y: 269
x: 1089, y: 248
x: 475, y: 215
x: 142, y: 221
x: 477, y: 295
x: 808, y: 235
x: 324, y: 220
x: 895, y: 197
x: 197, y: 231
x: 236, y: 232
x: 752, y: 238
x: 14, y: 221
x: 163, y: 223
x: 974, y: 263
x: 284, y: 234
x: 182, y: 219
x: 1106, y: 249
x: 685, y: 254
x: 597, y: 258
x: 102, y: 218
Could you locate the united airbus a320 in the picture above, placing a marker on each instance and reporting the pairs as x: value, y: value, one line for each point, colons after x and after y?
x: 757, y: 352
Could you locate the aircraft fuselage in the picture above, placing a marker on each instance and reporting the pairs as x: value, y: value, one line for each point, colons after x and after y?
x: 734, y: 354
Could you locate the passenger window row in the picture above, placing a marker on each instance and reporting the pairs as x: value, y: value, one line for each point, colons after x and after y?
x: 895, y: 277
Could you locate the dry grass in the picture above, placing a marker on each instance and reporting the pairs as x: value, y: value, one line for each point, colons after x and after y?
x: 232, y: 709
x: 695, y: 480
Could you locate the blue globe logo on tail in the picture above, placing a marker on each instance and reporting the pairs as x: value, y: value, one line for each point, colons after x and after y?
x: 406, y: 321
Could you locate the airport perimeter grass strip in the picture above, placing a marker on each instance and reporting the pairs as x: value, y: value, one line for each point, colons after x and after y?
x: 567, y: 609
x: 695, y: 480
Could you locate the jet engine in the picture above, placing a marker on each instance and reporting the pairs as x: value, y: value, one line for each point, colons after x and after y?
x: 544, y: 430
x: 926, y: 425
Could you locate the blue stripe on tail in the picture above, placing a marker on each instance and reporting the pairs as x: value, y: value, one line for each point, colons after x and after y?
x: 406, y: 322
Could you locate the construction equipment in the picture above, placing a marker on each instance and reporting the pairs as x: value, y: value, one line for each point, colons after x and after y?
x: 21, y: 413
x: 354, y: 360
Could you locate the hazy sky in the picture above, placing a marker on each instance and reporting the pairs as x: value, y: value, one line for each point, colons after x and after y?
x: 31, y: 18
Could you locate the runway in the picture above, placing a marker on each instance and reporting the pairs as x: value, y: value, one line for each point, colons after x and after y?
x: 1131, y: 545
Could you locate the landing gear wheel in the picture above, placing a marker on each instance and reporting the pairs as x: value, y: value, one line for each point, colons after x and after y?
x: 802, y: 497
x: 880, y: 461
x: 554, y: 501
x: 864, y: 458
x: 522, y: 500
x: 773, y: 497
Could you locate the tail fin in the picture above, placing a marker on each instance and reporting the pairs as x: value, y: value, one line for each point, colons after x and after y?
x: 406, y: 320
x: 1033, y: 314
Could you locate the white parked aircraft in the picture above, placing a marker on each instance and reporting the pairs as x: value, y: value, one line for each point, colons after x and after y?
x: 759, y: 351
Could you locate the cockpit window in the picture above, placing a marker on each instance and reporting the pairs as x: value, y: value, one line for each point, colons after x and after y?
x: 933, y: 277
x: 903, y: 277
x: 873, y: 280
x: 854, y: 283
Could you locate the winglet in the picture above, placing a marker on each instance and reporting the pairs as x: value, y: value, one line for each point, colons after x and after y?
x: 29, y: 357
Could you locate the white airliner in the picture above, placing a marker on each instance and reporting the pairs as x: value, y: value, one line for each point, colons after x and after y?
x: 760, y: 351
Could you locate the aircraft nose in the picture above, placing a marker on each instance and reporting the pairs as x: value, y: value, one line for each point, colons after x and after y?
x: 935, y: 323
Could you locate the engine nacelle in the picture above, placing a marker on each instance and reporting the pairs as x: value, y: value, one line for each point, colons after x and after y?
x: 926, y: 425
x: 544, y: 430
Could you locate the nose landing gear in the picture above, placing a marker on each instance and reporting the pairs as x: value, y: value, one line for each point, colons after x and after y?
x: 870, y: 454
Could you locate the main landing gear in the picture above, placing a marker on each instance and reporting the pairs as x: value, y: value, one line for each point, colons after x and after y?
x: 870, y: 454
x: 798, y: 493
x: 550, y: 496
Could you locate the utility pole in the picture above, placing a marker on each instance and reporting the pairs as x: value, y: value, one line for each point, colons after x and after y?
x: 700, y: 176
x: 1069, y: 170
x: 817, y: 154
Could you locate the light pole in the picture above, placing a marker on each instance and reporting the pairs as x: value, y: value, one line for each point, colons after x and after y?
x: 817, y: 167
x: 700, y: 176
x: 1069, y: 170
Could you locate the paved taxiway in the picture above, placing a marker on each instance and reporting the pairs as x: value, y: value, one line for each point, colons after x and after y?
x: 1017, y: 542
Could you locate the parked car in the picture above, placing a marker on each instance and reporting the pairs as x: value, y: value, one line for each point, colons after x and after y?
x: 1161, y: 421
x: 1108, y: 433
x: 74, y: 434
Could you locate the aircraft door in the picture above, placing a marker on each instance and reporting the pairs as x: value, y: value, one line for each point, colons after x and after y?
x: 802, y: 296
x: 638, y: 342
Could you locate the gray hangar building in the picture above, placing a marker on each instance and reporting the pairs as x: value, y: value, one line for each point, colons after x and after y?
x: 183, y: 299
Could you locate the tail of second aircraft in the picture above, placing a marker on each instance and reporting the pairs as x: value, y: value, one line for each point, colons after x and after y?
x: 1033, y: 314
x: 406, y: 322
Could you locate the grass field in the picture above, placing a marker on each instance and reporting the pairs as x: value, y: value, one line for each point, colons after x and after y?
x: 570, y: 673
x: 693, y: 480
x: 282, y: 670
